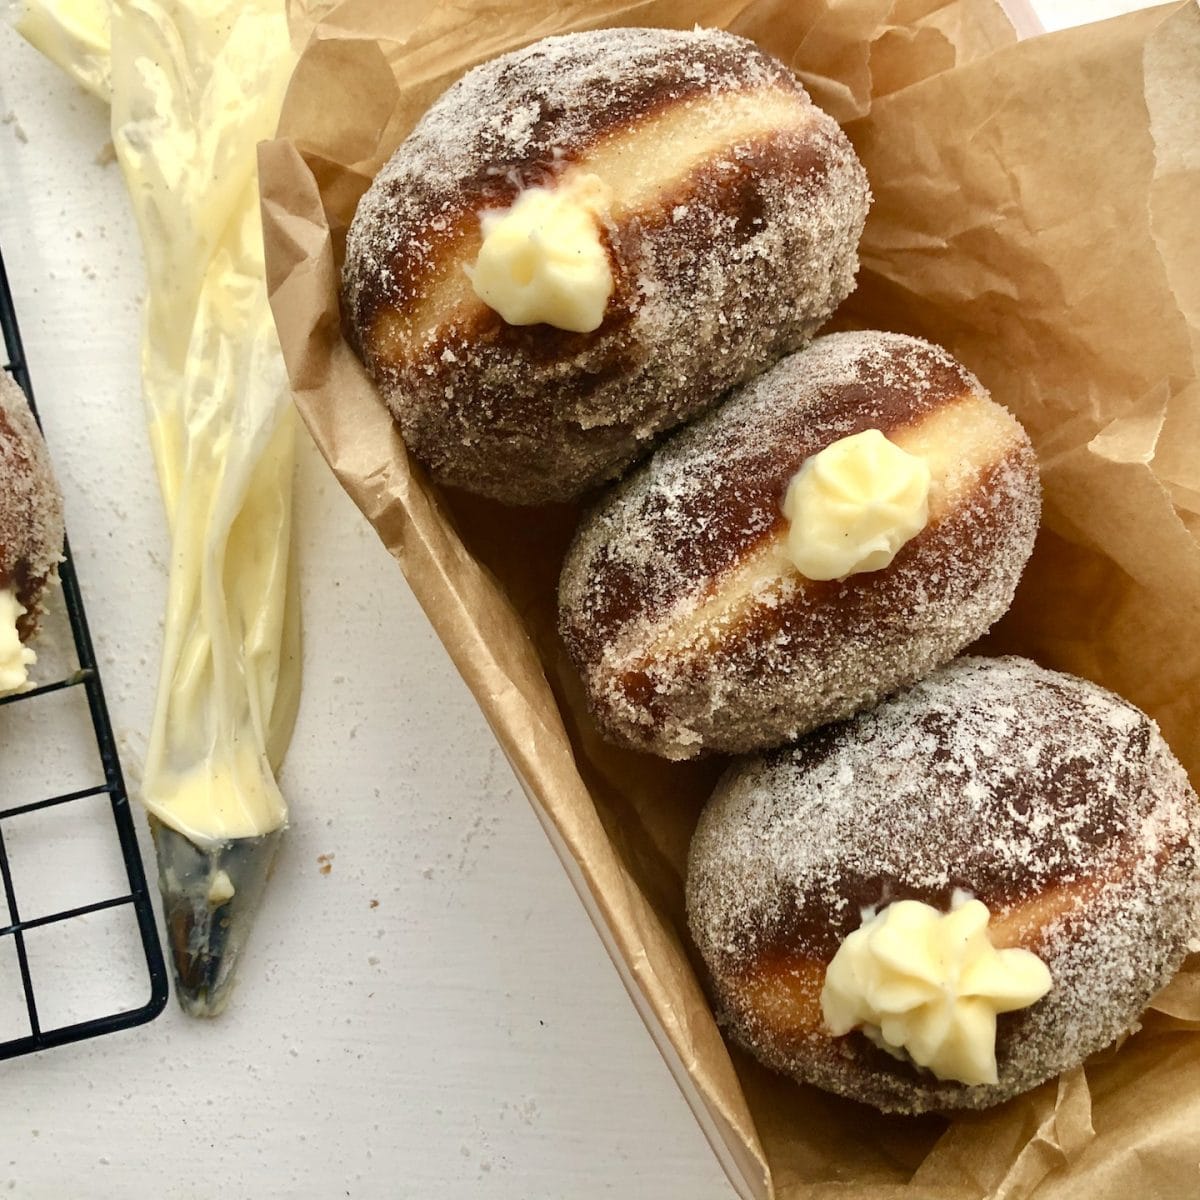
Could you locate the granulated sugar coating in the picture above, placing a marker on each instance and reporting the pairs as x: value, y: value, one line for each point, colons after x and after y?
x: 1053, y: 801
x: 31, y: 515
x: 732, y: 236
x: 693, y: 631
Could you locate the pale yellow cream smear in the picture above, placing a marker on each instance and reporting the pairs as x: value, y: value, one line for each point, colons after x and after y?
x: 542, y: 260
x: 852, y: 506
x: 927, y: 986
x: 15, y: 657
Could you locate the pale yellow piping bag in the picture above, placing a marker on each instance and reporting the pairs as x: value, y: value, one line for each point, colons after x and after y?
x: 193, y: 88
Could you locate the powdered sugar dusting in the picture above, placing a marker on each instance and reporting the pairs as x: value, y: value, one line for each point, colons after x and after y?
x: 994, y: 776
x: 546, y: 100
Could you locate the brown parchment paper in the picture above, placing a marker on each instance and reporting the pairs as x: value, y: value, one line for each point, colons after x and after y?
x: 1036, y: 213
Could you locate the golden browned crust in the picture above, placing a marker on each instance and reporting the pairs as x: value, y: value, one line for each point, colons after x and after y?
x: 31, y: 517
x: 733, y: 235
x: 691, y: 629
x: 1053, y: 801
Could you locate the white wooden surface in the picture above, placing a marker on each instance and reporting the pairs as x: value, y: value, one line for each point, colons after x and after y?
x: 467, y: 1036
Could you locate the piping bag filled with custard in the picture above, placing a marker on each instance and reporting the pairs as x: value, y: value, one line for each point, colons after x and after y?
x: 193, y: 87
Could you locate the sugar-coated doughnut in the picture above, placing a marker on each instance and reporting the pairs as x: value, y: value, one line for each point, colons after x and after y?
x: 1054, y: 802
x: 681, y: 603
x: 31, y: 514
x: 730, y: 233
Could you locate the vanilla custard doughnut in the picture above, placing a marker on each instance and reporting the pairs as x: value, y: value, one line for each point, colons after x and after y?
x: 31, y: 531
x: 681, y: 601
x: 716, y: 208
x: 1050, y: 800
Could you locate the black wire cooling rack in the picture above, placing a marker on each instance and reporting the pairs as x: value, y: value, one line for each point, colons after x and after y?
x: 40, y: 1037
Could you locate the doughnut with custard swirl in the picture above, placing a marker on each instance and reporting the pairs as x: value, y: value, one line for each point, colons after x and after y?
x: 31, y: 512
x: 694, y: 631
x: 1053, y: 801
x: 733, y: 229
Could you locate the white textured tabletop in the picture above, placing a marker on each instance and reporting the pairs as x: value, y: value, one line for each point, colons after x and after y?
x: 464, y: 1036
